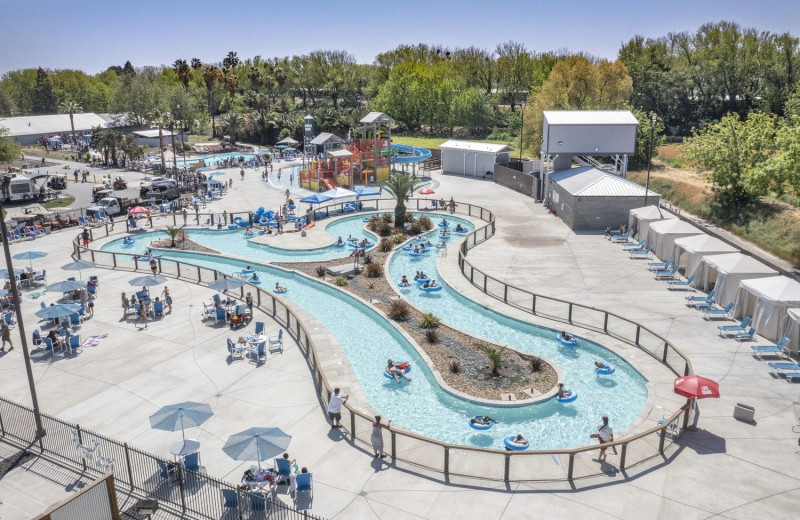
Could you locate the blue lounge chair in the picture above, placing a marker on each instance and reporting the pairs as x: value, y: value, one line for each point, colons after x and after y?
x: 231, y: 498
x: 220, y: 315
x: 681, y: 284
x: 727, y: 330
x: 234, y: 350
x: 284, y: 467
x: 660, y: 266
x: 663, y: 275
x: 640, y: 254
x: 48, y: 345
x: 132, y: 225
x: 259, y: 328
x: 701, y: 298
x: 640, y: 245
x: 74, y: 343
x: 258, y: 501
x: 622, y: 238
x: 37, y: 338
x: 785, y: 366
x: 708, y: 303
x: 17, y: 236
x: 158, y: 308
x: 192, y: 461
x: 760, y: 350
x: 259, y: 352
x: 305, y: 484
x: 208, y: 312
x: 75, y: 320
x: 714, y: 313
x: 745, y: 336
x: 41, y: 277
x: 276, y: 342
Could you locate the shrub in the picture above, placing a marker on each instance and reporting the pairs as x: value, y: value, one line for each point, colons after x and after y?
x: 399, y: 310
x: 398, y: 238
x: 426, y: 223
x: 536, y: 364
x: 432, y: 336
x: 384, y: 229
x: 367, y: 259
x: 385, y: 245
x: 428, y: 321
x: 495, y: 357
x: 455, y: 366
x: 374, y: 223
x: 340, y: 281
x: 373, y: 270
x: 388, y: 218
x: 321, y: 271
x: 415, y: 229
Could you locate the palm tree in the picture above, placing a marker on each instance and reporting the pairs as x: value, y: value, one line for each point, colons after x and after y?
x: 196, y: 64
x: 184, y: 72
x: 401, y: 185
x: 232, y: 123
x: 173, y: 233
x: 231, y: 61
x: 229, y: 85
x: 212, y: 75
x: 71, y: 108
x: 160, y: 119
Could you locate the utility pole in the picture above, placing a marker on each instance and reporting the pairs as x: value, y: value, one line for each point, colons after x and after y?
x: 653, y: 120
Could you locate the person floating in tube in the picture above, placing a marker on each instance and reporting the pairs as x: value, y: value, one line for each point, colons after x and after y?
x: 397, y: 370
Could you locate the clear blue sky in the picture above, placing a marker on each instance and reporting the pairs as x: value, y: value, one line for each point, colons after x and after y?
x: 94, y: 34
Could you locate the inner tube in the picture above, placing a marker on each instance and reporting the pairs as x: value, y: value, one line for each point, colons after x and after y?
x: 479, y: 426
x: 255, y: 282
x: 514, y: 446
x: 337, y: 244
x: 400, y: 285
x: 421, y: 280
x: 233, y: 226
x: 263, y: 221
x: 408, y: 248
x: 463, y: 232
x: 444, y: 224
x: 413, y: 254
x: 567, y: 342
x: 356, y: 244
x: 606, y: 371
x: 365, y: 219
x: 128, y: 240
x: 430, y: 289
x: 569, y: 398
x: 276, y: 291
x: 248, y: 271
x: 387, y: 375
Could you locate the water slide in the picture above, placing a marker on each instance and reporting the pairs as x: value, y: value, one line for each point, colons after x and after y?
x: 330, y: 183
x: 405, y: 154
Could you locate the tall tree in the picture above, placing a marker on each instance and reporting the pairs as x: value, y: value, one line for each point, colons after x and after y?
x: 44, y: 99
x: 7, y: 107
x: 233, y: 123
x: 183, y: 71
x: 514, y: 72
x: 160, y: 119
x: 401, y: 185
x: 9, y: 150
x: 196, y: 64
x: 231, y: 61
x: 71, y: 108
x: 128, y: 69
x: 211, y: 76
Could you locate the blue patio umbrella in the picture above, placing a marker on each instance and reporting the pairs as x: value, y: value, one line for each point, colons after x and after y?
x: 4, y: 273
x: 182, y: 415
x: 79, y: 265
x: 58, y: 311
x: 366, y: 191
x: 225, y: 284
x: 217, y: 174
x: 66, y: 286
x: 148, y: 280
x: 317, y: 198
x: 257, y: 444
x: 3, y: 292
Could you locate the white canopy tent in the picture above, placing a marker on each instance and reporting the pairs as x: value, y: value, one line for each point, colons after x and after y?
x: 689, y: 251
x: 790, y: 328
x: 641, y: 218
x: 662, y: 235
x: 339, y: 193
x: 767, y: 300
x: 724, y: 272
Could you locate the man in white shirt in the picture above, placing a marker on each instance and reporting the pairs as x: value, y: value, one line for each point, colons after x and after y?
x: 335, y: 408
x: 605, y: 434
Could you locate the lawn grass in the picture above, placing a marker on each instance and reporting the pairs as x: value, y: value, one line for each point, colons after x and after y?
x: 63, y: 202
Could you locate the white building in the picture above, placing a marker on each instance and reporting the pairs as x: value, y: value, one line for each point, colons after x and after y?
x: 471, y: 158
x: 150, y: 137
x: 26, y: 130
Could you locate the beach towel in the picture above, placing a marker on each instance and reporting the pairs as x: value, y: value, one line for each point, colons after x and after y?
x: 36, y: 294
x: 94, y: 341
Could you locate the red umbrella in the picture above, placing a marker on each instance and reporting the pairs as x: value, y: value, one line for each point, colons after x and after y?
x: 138, y: 210
x: 426, y: 191
x: 696, y: 386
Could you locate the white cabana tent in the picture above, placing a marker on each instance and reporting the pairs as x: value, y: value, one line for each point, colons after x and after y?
x: 689, y: 251
x: 724, y: 272
x: 790, y: 328
x: 339, y: 193
x: 641, y: 218
x: 662, y: 235
x: 767, y: 300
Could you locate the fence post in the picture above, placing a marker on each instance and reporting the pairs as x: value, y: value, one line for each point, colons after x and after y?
x: 92, y: 255
x: 128, y: 463
x: 507, y: 471
x: 571, y: 466
x: 114, y: 259
x: 182, y: 488
x: 394, y: 445
x: 199, y: 278
x: 288, y: 318
x: 505, y: 293
x: 638, y: 331
x: 570, y: 313
x: 446, y: 460
x: 80, y: 441
x: 178, y: 265
x: 159, y: 266
x: 485, y: 279
x: 471, y: 275
x: 605, y: 323
x: 663, y: 437
x: 274, y: 308
x: 623, y: 451
x: 533, y: 307
x: 666, y: 349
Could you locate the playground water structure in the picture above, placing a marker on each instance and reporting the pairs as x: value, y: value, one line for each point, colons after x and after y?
x: 368, y: 339
x: 406, y: 154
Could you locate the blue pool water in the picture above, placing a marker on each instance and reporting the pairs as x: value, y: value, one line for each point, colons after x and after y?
x: 368, y: 340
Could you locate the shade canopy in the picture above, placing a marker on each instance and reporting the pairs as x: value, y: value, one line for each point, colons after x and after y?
x: 288, y: 140
x: 366, y: 191
x: 180, y: 416
x: 79, y: 265
x: 29, y: 255
x: 66, y: 286
x: 147, y: 280
x: 317, y: 198
x: 225, y: 284
x: 790, y: 328
x: 725, y: 272
x: 339, y: 193
x: 689, y: 251
x: 4, y: 273
x: 696, y: 387
x: 137, y: 210
x: 257, y: 444
x: 767, y: 301
x: 217, y: 174
x: 662, y: 235
x: 640, y: 218
x: 59, y: 310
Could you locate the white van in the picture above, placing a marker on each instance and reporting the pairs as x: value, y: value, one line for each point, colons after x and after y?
x: 18, y: 188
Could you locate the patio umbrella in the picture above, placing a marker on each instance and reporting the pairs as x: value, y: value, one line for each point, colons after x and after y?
x: 181, y: 415
x: 59, y: 310
x: 225, y: 284
x: 30, y: 256
x: 426, y: 191
x: 3, y: 292
x: 66, y: 286
x: 137, y: 210
x: 257, y: 444
x: 79, y: 265
x: 698, y: 387
x: 366, y: 191
x: 217, y: 174
x: 148, y: 280
x: 4, y: 273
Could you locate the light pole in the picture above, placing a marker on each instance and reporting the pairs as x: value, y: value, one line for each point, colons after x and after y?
x: 180, y: 122
x: 653, y: 120
x: 521, y: 131
x: 40, y: 432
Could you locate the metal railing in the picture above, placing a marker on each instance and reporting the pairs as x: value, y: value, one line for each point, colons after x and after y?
x: 192, y: 494
x: 451, y: 459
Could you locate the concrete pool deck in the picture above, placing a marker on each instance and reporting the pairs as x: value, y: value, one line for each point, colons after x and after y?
x: 727, y: 469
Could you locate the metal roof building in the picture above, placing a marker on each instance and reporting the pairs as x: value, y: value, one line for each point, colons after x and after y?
x: 589, y: 198
x: 471, y: 158
x: 26, y: 130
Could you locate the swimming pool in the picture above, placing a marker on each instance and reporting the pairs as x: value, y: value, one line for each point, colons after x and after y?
x: 368, y: 340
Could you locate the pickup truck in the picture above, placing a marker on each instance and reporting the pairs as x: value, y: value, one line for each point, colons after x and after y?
x: 112, y: 205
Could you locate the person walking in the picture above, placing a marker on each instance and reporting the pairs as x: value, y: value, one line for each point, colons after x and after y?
x: 184, y: 215
x: 153, y: 266
x: 377, y: 436
x: 126, y: 304
x: 335, y: 408
x: 167, y: 298
x: 605, y: 435
x: 5, y: 333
